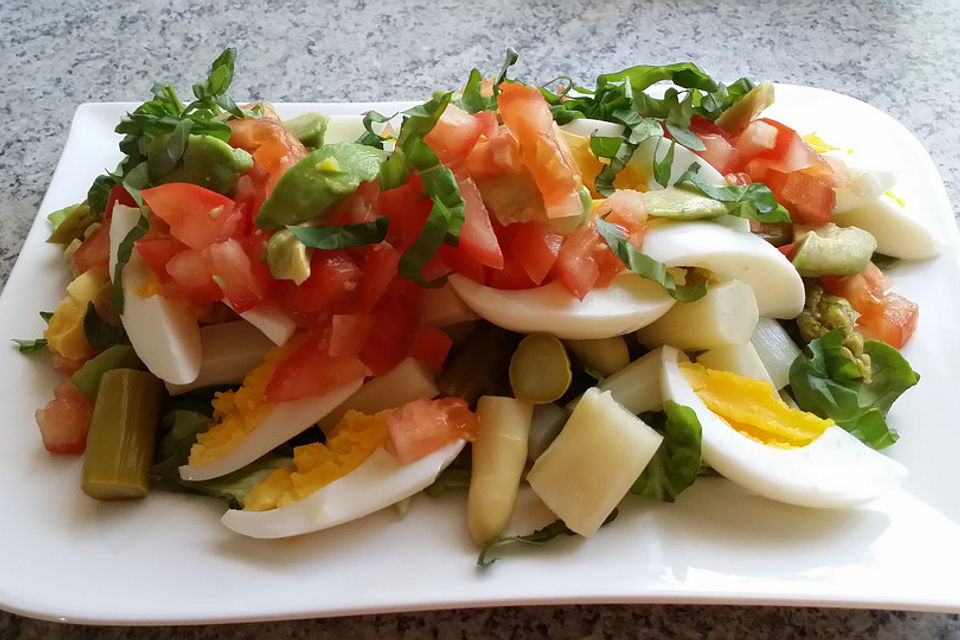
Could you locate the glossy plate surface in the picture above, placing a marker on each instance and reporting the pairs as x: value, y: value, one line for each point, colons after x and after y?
x: 169, y: 560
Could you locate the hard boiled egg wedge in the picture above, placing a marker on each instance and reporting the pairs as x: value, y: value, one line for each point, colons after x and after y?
x: 730, y: 254
x: 377, y: 483
x: 630, y: 302
x: 865, y: 181
x: 897, y: 229
x: 164, y: 334
x: 834, y: 470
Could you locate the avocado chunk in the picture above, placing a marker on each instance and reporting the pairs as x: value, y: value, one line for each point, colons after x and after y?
x: 324, y: 176
x: 210, y: 163
x: 308, y: 128
x: 681, y: 204
x: 70, y: 223
x: 833, y: 251
x: 736, y: 118
x: 287, y: 257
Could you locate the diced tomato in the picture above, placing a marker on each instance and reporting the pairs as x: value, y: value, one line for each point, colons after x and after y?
x: 477, y: 238
x: 536, y: 249
x: 398, y: 318
x: 497, y: 155
x: 379, y: 268
x: 190, y: 275
x: 543, y: 151
x: 884, y: 315
x: 456, y: 132
x: 408, y: 208
x: 431, y: 347
x: 311, y: 371
x: 759, y: 137
x: 703, y: 127
x: 575, y: 266
x: 274, y: 149
x: 333, y: 276
x: 458, y: 261
x: 512, y: 277
x: 422, y: 426
x: 719, y: 153
x: 808, y: 198
x: 359, y: 207
x: 65, y: 365
x: 197, y: 217
x: 157, y: 251
x: 95, y: 250
x: 787, y: 250
x: 63, y: 422
x: 349, y: 332
x: 245, y: 282
x: 118, y: 195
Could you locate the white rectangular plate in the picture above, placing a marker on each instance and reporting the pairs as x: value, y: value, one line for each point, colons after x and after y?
x: 168, y: 560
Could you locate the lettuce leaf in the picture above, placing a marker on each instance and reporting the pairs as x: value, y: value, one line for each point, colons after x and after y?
x: 676, y: 463
x: 829, y: 384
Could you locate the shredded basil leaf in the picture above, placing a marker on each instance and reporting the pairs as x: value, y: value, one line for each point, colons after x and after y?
x: 663, y: 168
x: 645, y: 266
x: 604, y: 146
x: 124, y: 251
x: 46, y: 315
x: 370, y: 137
x: 99, y: 333
x: 29, y: 346
x: 494, y: 551
x: 449, y: 478
x: 676, y: 463
x: 752, y: 201
x: 342, y: 236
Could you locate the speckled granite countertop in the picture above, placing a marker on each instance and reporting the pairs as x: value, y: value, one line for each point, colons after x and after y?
x: 898, y: 56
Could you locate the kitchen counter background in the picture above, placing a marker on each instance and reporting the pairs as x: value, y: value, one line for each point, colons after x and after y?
x: 899, y: 56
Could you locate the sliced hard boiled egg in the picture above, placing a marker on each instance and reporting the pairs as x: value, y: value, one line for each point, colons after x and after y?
x: 280, y: 423
x: 377, y: 483
x: 164, y: 334
x: 866, y: 182
x: 730, y: 255
x: 834, y: 470
x: 230, y: 350
x: 896, y: 228
x: 630, y: 302
x: 271, y: 320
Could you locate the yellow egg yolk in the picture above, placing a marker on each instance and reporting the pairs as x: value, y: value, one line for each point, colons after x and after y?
x: 316, y: 465
x: 633, y: 176
x: 753, y: 408
x: 65, y: 333
x: 239, y: 412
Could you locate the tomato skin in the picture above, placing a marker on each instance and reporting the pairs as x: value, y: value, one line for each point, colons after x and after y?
x: 719, y: 152
x: 95, y: 250
x: 454, y: 135
x: 349, y: 332
x: 422, y: 426
x: 333, y: 276
x: 884, y: 315
x: 197, y: 217
x: 245, y: 282
x: 311, y: 371
x: 477, y: 238
x: 431, y: 346
x: 536, y: 248
x: 64, y: 421
x: 379, y: 268
x: 157, y: 251
x: 575, y: 266
x: 408, y: 208
x: 808, y: 198
x: 398, y: 318
x: 190, y: 275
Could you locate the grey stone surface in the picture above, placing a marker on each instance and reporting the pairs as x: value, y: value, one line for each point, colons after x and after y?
x: 899, y: 56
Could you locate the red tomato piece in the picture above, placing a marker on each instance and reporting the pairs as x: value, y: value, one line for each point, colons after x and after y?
x: 118, y: 195
x: 197, y: 217
x: 245, y: 282
x: 64, y: 421
x: 273, y: 148
x: 379, y: 268
x: 431, y: 346
x: 458, y: 261
x: 758, y: 138
x: 191, y: 277
x: 157, y: 251
x: 884, y: 315
x: 455, y: 133
x: 333, y: 276
x: 719, y: 153
x: 477, y: 238
x: 422, y: 426
x: 94, y: 251
x: 349, y: 332
x: 398, y: 318
x: 497, y: 155
x: 808, y: 198
x: 408, y: 208
x: 536, y: 249
x: 513, y: 276
x: 575, y: 266
x: 311, y: 371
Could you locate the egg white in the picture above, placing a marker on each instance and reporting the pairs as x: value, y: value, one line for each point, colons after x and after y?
x: 286, y: 420
x: 377, y: 483
x: 630, y: 302
x: 730, y: 255
x: 835, y: 470
x: 230, y: 350
x: 164, y: 335
x: 897, y: 230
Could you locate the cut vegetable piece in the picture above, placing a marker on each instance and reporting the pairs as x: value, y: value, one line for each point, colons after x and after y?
x: 272, y: 321
x: 594, y: 461
x: 120, y: 441
x: 547, y: 421
x: 835, y: 470
x: 408, y: 381
x: 726, y: 315
x: 540, y: 369
x: 865, y: 182
x: 730, y: 255
x: 377, y: 483
x: 630, y: 302
x: 636, y: 386
x: 604, y: 355
x: 283, y: 422
x: 655, y: 149
x: 499, y: 455
x: 897, y: 230
x: 230, y: 350
x: 741, y: 359
x: 776, y: 350
x: 443, y: 307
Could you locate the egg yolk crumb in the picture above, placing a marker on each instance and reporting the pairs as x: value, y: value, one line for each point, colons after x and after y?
x: 239, y: 412
x: 753, y: 408
x: 316, y: 465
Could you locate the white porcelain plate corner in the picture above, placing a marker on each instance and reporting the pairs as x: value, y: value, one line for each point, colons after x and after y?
x: 168, y: 560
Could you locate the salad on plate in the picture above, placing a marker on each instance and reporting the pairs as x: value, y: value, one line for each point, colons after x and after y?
x: 555, y: 296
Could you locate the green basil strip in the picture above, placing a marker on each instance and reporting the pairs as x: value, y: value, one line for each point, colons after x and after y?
x: 165, y: 160
x: 676, y: 463
x: 449, y: 478
x: 605, y: 147
x: 124, y: 251
x: 370, y: 137
x: 342, y: 236
x: 99, y: 334
x: 645, y: 266
x: 46, y: 315
x: 752, y: 201
x: 663, y: 168
x: 30, y: 346
x: 494, y: 551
